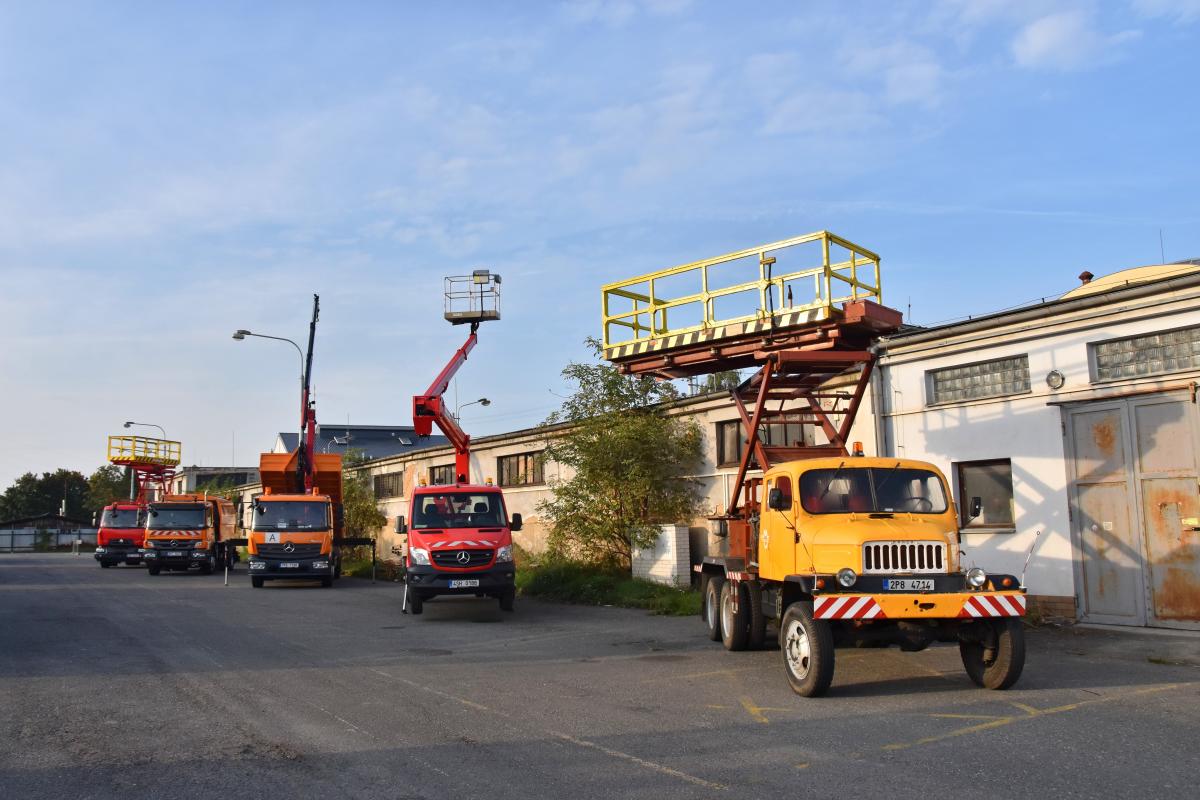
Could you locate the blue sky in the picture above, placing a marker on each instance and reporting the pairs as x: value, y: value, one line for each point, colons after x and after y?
x: 172, y: 172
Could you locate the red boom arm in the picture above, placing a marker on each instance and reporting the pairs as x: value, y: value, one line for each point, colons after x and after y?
x: 430, y: 408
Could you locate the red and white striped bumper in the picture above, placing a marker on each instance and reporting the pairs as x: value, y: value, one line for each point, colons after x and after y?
x: 847, y: 606
x: 994, y: 605
x: 961, y: 605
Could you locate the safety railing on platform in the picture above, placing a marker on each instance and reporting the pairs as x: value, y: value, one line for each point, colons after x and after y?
x: 816, y: 272
x: 143, y: 450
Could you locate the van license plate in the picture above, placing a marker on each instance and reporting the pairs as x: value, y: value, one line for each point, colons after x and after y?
x: 290, y: 565
x: 908, y: 585
x: 464, y: 584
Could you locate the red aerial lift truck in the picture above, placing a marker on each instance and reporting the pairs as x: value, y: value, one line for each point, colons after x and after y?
x: 459, y: 537
x: 122, y: 531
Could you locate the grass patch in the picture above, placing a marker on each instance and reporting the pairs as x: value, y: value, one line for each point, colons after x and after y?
x: 584, y: 584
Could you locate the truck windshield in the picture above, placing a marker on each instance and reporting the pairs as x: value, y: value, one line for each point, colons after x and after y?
x: 880, y: 490
x: 290, y: 515
x: 458, y: 510
x: 122, y: 518
x: 175, y: 518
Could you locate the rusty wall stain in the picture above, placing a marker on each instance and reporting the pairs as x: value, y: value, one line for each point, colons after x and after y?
x: 1177, y: 596
x: 1104, y: 437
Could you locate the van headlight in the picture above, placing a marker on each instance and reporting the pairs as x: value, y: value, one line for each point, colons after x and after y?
x: 504, y: 553
x: 846, y: 577
x: 419, y: 555
x: 976, y: 578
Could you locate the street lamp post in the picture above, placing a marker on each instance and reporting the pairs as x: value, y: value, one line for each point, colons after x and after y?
x: 483, y: 401
x: 240, y: 335
x: 131, y: 423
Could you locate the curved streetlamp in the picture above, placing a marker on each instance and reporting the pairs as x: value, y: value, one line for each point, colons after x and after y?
x: 483, y: 401
x: 130, y: 423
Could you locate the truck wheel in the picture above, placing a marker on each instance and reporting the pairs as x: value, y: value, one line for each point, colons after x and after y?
x: 256, y: 581
x: 1007, y: 658
x: 507, y: 599
x: 416, y: 604
x: 807, y: 647
x: 711, y: 608
x: 105, y: 564
x: 735, y: 626
x: 757, y: 634
x: 153, y: 569
x: 207, y: 567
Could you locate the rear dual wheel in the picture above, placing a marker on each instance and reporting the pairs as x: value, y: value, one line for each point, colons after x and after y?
x: 711, y: 609
x: 745, y: 628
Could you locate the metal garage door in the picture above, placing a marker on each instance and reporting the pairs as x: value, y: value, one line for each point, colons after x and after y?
x: 1136, y: 509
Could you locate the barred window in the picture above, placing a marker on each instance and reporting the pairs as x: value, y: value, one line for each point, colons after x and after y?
x: 441, y: 475
x: 995, y: 378
x: 1149, y: 354
x: 389, y: 485
x: 522, y: 469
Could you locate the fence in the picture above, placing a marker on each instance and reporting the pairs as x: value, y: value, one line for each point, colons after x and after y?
x: 25, y: 540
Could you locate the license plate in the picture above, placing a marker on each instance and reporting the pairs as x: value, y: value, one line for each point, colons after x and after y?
x: 908, y: 584
x: 464, y: 584
x: 174, y: 554
x: 290, y: 565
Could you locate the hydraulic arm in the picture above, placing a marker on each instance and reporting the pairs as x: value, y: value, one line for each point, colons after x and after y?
x: 430, y: 409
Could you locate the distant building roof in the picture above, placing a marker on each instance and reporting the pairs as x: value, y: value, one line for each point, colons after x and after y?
x: 373, y: 441
x: 43, y: 520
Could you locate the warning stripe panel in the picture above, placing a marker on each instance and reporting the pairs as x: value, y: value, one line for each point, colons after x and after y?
x: 846, y: 606
x: 995, y: 605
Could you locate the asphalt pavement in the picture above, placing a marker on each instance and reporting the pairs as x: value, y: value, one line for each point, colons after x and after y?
x: 115, y: 684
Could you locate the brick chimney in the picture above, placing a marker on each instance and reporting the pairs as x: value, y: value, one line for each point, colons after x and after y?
x: 1085, y: 277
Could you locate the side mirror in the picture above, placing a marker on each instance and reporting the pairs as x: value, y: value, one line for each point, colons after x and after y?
x: 401, y: 525
x: 516, y: 523
x: 976, y: 507
x: 778, y: 501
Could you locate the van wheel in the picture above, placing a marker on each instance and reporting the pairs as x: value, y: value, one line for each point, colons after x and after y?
x: 735, y: 625
x: 710, y: 610
x: 999, y: 666
x: 256, y: 581
x: 416, y: 604
x: 807, y: 647
x: 153, y: 569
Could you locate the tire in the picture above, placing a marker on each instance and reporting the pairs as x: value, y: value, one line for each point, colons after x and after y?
x: 507, y: 599
x: 710, y: 609
x: 757, y: 635
x: 207, y: 567
x: 807, y: 648
x: 416, y: 603
x: 1009, y: 660
x: 735, y: 626
x: 105, y: 564
x: 153, y: 569
x: 327, y: 582
x: 256, y: 581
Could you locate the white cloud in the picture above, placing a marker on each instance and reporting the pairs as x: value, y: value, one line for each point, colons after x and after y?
x: 1067, y: 40
x: 1178, y: 10
x: 910, y: 73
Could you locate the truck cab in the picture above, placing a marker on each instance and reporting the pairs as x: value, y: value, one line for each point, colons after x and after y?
x: 459, y: 543
x: 189, y: 530
x: 293, y: 536
x: 121, y: 534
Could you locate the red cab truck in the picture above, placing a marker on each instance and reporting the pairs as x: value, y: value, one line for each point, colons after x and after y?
x: 121, y: 534
x: 459, y: 543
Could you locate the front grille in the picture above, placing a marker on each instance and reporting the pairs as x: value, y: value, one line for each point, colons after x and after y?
x: 449, y: 558
x: 171, y: 544
x: 297, y: 551
x: 921, y: 557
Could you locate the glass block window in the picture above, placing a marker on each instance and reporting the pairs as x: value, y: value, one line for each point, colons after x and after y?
x: 996, y: 378
x: 1150, y: 354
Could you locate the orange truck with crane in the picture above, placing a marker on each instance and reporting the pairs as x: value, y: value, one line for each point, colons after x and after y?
x: 833, y: 548
x: 121, y: 534
x: 296, y: 529
x: 460, y: 536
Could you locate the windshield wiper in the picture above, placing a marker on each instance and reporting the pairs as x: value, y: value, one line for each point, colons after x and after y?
x: 832, y: 478
x: 887, y: 477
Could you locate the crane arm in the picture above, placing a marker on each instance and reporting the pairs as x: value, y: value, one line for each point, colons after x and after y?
x: 430, y: 409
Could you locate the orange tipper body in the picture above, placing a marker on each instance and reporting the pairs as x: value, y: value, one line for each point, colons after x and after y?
x: 295, y: 534
x: 122, y: 534
x: 189, y: 530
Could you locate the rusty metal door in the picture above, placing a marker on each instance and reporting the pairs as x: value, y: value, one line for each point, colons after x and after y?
x: 1165, y: 436
x: 1107, y: 540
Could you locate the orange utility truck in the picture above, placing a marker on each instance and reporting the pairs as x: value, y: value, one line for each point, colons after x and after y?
x: 189, y: 530
x: 832, y: 548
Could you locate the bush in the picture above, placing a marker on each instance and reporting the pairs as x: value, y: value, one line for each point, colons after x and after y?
x: 584, y: 584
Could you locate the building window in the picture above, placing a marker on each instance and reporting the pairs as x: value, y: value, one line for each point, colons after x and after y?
x: 731, y: 439
x: 995, y: 378
x: 522, y: 469
x: 441, y: 475
x: 389, y: 485
x: 1149, y: 354
x: 991, y: 482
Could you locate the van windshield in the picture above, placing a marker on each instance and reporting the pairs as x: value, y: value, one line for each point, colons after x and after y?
x: 122, y: 518
x: 865, y: 490
x: 291, y: 515
x: 458, y: 510
x: 175, y: 518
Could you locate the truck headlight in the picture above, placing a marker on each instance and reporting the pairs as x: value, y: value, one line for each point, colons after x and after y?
x: 320, y: 565
x: 976, y: 578
x: 419, y: 555
x: 846, y: 577
x: 258, y: 565
x: 504, y: 553
x: 101, y: 550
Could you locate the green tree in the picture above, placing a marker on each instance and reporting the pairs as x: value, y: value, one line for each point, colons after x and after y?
x: 107, y: 484
x: 363, y: 517
x: 721, y: 381
x: 629, y: 459
x: 31, y: 495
